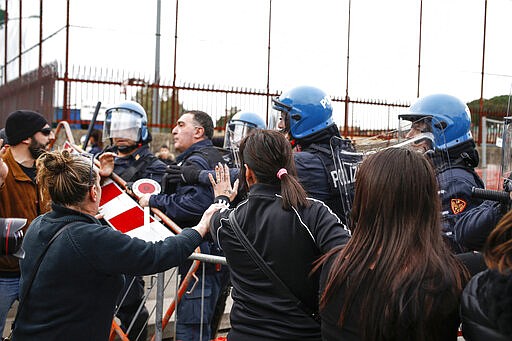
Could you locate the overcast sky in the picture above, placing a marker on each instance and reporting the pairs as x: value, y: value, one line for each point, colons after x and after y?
x: 225, y: 42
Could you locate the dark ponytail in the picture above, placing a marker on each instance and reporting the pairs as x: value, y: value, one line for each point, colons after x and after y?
x: 269, y: 155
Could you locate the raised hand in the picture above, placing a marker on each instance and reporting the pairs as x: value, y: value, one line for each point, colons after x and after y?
x: 106, y: 163
x: 222, y: 183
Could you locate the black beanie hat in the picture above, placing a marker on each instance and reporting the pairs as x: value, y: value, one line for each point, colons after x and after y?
x: 22, y: 124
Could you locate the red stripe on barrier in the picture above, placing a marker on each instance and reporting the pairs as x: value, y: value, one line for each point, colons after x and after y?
x: 129, y: 220
x: 109, y: 192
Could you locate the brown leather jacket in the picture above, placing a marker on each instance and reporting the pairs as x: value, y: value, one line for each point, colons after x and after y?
x: 19, y: 198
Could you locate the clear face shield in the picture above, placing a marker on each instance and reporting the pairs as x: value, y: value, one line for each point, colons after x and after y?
x: 425, y: 135
x: 235, y: 132
x: 348, y: 157
x: 506, y: 154
x: 122, y: 123
x: 415, y: 134
x: 280, y: 117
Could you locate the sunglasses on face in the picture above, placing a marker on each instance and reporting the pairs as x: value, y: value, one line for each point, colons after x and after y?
x: 46, y: 131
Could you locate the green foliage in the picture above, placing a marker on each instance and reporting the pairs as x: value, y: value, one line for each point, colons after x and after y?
x: 2, y: 17
x: 495, y: 107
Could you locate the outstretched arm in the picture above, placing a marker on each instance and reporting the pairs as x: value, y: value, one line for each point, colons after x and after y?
x: 191, y: 174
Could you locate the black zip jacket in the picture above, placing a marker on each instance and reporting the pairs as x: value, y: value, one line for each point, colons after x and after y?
x: 289, y: 241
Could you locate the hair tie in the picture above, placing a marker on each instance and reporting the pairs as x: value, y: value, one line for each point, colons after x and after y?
x: 281, y: 172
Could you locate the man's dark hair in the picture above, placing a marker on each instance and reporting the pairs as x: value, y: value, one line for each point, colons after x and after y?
x: 204, y: 120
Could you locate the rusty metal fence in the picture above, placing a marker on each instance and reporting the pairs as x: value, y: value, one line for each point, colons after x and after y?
x: 35, y: 91
x: 43, y: 90
x: 84, y: 87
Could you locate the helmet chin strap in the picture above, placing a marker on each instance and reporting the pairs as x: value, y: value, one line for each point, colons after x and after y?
x: 128, y: 149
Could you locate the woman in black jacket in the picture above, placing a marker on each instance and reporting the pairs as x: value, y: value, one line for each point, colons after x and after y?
x: 487, y: 299
x: 74, y: 292
x: 287, y: 229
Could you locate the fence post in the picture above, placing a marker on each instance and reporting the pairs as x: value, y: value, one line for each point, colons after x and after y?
x: 484, y: 149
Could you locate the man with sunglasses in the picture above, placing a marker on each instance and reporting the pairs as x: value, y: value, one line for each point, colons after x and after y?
x: 28, y: 134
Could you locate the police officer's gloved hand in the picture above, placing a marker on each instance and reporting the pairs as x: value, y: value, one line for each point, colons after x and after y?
x: 188, y: 174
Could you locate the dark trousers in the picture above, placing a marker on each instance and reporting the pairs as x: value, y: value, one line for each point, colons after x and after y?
x: 188, y: 326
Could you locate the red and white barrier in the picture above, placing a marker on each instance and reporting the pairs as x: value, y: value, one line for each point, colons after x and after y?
x: 125, y: 214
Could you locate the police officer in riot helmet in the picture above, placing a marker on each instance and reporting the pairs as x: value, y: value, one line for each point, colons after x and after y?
x: 453, y: 152
x: 241, y: 125
x: 474, y: 227
x: 126, y: 127
x: 305, y: 116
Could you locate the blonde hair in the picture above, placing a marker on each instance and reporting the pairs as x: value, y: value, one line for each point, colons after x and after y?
x: 65, y: 177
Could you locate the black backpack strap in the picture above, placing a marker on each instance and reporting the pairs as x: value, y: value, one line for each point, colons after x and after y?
x: 256, y: 257
x: 213, y: 155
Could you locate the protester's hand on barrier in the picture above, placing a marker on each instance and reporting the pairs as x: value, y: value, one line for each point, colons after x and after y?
x: 144, y: 200
x: 187, y: 173
x: 3, y: 166
x: 107, y: 163
x: 222, y: 183
x: 204, y: 225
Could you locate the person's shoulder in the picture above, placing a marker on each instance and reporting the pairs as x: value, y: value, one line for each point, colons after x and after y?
x: 318, y: 207
x: 89, y: 229
x: 457, y: 173
x: 199, y: 158
x: 304, y: 156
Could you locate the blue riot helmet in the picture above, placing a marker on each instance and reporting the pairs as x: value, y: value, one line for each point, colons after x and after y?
x: 241, y: 125
x: 128, y: 120
x: 305, y: 110
x: 447, y: 117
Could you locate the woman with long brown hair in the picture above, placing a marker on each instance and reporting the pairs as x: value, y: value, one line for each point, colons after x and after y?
x: 283, y: 228
x: 487, y: 299
x: 395, y: 279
